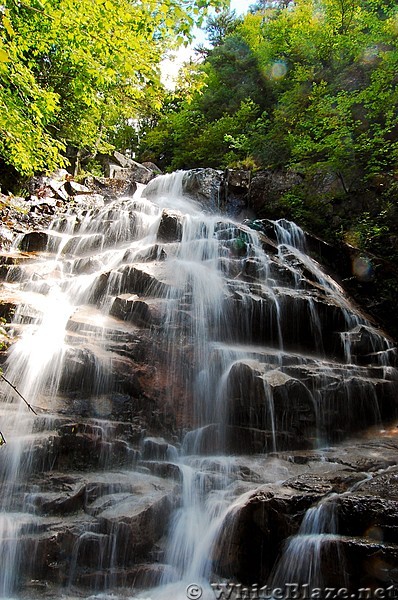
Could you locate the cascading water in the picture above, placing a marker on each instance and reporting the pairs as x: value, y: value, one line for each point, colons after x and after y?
x: 150, y: 315
x: 302, y: 559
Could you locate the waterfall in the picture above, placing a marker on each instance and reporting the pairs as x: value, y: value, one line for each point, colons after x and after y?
x: 167, y: 349
x: 302, y: 559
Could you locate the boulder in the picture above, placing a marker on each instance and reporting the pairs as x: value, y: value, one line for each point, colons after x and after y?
x: 110, y: 188
x: 123, y: 168
x: 170, y: 227
x: 135, y: 173
x: 138, y: 520
x: 145, y: 313
x: 73, y: 188
x: 252, y: 535
x: 266, y: 190
x: 35, y: 241
x: 205, y: 186
x: 152, y: 167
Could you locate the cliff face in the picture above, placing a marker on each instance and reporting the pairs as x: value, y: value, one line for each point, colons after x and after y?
x: 340, y: 222
x: 170, y: 344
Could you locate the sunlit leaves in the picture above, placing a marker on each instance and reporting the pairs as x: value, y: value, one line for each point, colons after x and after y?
x: 70, y: 71
x: 324, y: 72
x: 3, y: 56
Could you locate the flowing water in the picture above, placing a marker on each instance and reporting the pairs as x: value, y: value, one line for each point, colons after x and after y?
x: 303, y: 558
x: 251, y: 344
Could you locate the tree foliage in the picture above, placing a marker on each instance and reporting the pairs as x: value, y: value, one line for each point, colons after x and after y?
x: 322, y: 75
x: 72, y: 72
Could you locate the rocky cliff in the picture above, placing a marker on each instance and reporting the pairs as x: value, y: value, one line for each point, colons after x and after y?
x: 167, y: 338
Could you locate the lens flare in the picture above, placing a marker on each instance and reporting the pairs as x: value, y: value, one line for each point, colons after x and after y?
x: 362, y: 268
x: 370, y: 55
x: 278, y: 70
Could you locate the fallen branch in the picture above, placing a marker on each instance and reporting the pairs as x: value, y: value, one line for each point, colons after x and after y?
x: 19, y: 394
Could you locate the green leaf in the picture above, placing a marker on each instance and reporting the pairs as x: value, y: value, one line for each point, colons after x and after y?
x: 3, y: 56
x: 8, y: 27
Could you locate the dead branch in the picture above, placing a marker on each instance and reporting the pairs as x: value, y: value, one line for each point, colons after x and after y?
x: 19, y: 394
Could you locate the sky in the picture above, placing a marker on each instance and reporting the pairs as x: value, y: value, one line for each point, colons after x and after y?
x: 170, y: 67
x: 241, y: 6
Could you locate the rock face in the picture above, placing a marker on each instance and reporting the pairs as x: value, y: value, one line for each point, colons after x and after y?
x: 205, y: 186
x: 278, y: 524
x: 267, y: 188
x: 153, y: 338
x: 123, y: 168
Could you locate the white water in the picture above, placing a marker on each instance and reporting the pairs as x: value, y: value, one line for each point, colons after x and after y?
x: 210, y: 331
x: 302, y: 559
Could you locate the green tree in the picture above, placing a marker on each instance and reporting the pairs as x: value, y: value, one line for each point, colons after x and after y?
x: 322, y: 75
x: 218, y: 27
x: 71, y: 71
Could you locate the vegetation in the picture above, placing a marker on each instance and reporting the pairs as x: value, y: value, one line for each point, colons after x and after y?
x: 73, y: 73
x: 315, y: 82
x: 308, y: 85
x: 305, y: 85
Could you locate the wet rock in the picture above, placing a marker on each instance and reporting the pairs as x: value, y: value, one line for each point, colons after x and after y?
x: 10, y: 273
x: 35, y: 241
x: 154, y: 449
x: 204, y: 186
x: 86, y: 265
x: 270, y: 400
x: 79, y: 370
x: 53, y: 503
x: 88, y: 372
x: 252, y: 535
x: 140, y: 519
x: 81, y: 448
x: 368, y: 516
x: 138, y: 576
x: 162, y: 469
x: 144, y: 313
x: 154, y: 253
x: 99, y: 289
x: 364, y: 547
x: 170, y: 227
x: 364, y: 340
x: 82, y: 244
x: 152, y: 279
x: 216, y: 439
x: 253, y: 268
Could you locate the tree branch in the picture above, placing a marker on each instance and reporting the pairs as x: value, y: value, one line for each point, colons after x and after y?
x: 38, y: 10
x: 19, y: 394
